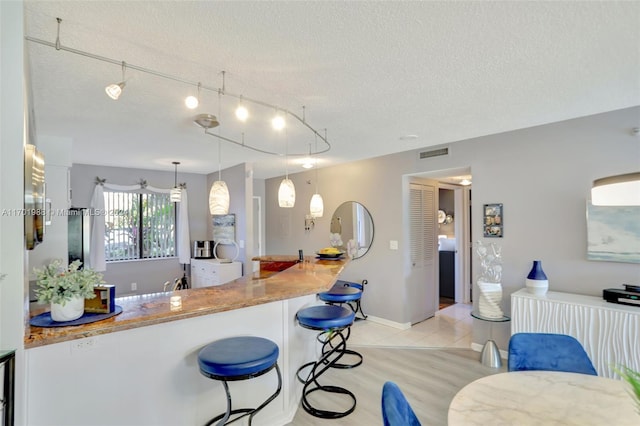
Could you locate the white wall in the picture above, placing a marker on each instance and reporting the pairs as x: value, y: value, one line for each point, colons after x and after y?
x: 542, y: 175
x: 12, y: 139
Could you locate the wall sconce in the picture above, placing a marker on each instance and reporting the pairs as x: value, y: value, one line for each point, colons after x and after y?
x: 620, y: 190
x: 309, y: 222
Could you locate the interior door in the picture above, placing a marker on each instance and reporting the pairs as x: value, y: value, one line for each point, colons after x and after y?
x: 423, y: 278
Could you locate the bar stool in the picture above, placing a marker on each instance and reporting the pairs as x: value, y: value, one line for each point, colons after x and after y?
x: 331, y: 320
x: 339, y: 294
x: 239, y: 358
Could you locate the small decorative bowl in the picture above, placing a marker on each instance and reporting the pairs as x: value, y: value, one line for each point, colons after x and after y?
x: 329, y: 255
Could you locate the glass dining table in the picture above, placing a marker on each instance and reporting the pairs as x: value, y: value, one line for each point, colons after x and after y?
x: 544, y: 398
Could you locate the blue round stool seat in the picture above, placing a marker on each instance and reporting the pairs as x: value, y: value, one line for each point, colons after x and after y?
x: 325, y: 317
x: 340, y: 294
x: 237, y: 357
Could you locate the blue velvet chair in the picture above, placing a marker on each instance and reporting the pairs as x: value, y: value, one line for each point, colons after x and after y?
x: 396, y: 410
x: 547, y: 351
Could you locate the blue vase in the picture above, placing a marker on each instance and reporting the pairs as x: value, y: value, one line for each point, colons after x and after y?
x: 537, y: 281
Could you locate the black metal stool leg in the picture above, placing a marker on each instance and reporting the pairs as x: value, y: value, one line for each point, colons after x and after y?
x: 327, y: 344
x: 224, y: 417
x: 326, y: 361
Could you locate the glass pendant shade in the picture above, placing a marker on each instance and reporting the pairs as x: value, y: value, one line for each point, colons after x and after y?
x: 176, y: 195
x: 286, y: 194
x: 621, y: 190
x: 316, y: 206
x: 219, y: 198
x: 114, y: 90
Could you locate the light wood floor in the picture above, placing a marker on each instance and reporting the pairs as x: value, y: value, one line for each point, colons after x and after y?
x: 429, y: 378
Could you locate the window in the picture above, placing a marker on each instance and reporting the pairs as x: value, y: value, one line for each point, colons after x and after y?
x: 138, y: 226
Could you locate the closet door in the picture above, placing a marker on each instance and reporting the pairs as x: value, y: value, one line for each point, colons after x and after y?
x: 422, y: 283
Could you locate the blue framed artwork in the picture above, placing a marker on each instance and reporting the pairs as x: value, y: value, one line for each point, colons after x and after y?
x: 613, y: 233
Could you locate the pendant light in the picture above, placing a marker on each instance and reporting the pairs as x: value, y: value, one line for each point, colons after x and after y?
x: 287, y: 190
x: 219, y: 193
x: 316, y: 206
x: 176, y: 192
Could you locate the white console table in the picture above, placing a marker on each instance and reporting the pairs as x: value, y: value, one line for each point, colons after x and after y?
x: 609, y: 332
x: 210, y: 272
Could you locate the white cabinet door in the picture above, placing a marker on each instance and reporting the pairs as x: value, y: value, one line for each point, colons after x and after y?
x: 210, y: 272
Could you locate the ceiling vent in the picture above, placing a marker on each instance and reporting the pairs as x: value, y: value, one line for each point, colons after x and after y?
x: 435, y: 153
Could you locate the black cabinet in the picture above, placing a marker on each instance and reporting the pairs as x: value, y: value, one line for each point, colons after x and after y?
x: 8, y: 368
x: 447, y: 274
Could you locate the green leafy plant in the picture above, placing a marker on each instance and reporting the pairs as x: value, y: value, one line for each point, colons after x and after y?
x: 57, y: 283
x: 633, y: 378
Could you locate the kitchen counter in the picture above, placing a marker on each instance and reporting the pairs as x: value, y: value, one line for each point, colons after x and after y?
x: 306, y: 278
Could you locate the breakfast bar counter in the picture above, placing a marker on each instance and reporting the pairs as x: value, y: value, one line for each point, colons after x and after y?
x: 309, y: 277
x: 98, y: 372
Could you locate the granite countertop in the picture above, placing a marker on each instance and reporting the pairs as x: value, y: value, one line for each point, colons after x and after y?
x: 309, y: 277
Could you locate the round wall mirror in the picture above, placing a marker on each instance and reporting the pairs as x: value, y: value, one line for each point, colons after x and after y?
x: 353, y: 224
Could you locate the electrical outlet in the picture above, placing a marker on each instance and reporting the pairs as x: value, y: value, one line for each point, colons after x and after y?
x: 85, y: 344
x: 134, y: 286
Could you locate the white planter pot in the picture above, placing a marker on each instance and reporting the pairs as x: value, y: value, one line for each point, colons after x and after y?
x: 72, y: 309
x: 490, y: 300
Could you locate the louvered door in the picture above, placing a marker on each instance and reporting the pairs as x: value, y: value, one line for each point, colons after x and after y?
x: 422, y: 282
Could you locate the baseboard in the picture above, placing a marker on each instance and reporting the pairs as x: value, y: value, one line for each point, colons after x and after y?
x: 478, y: 348
x: 398, y: 325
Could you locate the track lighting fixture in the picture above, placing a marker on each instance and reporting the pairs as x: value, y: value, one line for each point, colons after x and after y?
x: 282, y: 119
x: 114, y: 90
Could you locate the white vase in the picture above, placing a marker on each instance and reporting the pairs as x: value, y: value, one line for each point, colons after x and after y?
x: 490, y: 299
x: 72, y: 309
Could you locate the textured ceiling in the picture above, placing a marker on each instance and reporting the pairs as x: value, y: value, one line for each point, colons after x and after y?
x: 369, y: 72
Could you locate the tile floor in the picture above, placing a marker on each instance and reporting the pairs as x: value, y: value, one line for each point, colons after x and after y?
x: 450, y: 327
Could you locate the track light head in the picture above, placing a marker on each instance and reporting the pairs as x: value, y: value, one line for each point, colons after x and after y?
x: 191, y: 102
x: 114, y: 90
x: 278, y: 122
x: 206, y: 121
x: 242, y: 113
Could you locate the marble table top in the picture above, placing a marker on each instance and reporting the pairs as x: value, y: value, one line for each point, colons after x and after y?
x: 309, y: 277
x: 544, y: 398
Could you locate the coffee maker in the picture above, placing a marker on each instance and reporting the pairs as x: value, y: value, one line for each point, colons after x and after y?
x: 203, y: 249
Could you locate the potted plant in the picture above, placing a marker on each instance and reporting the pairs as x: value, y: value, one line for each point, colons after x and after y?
x: 633, y: 378
x: 66, y: 288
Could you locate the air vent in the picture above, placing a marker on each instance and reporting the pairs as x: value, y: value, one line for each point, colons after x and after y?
x: 435, y: 153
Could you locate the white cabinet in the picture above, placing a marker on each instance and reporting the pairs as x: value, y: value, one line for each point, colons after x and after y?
x: 209, y: 272
x: 610, y: 333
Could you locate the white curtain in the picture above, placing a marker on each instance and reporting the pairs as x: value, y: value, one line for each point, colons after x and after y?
x: 96, y: 247
x: 182, y: 239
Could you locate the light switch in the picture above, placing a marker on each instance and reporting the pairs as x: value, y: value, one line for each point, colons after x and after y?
x: 393, y: 245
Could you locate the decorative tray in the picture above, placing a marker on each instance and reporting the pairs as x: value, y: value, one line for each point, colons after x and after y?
x: 44, y: 319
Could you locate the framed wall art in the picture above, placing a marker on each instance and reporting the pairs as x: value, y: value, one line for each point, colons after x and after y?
x: 493, y: 220
x: 224, y: 228
x: 613, y: 233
